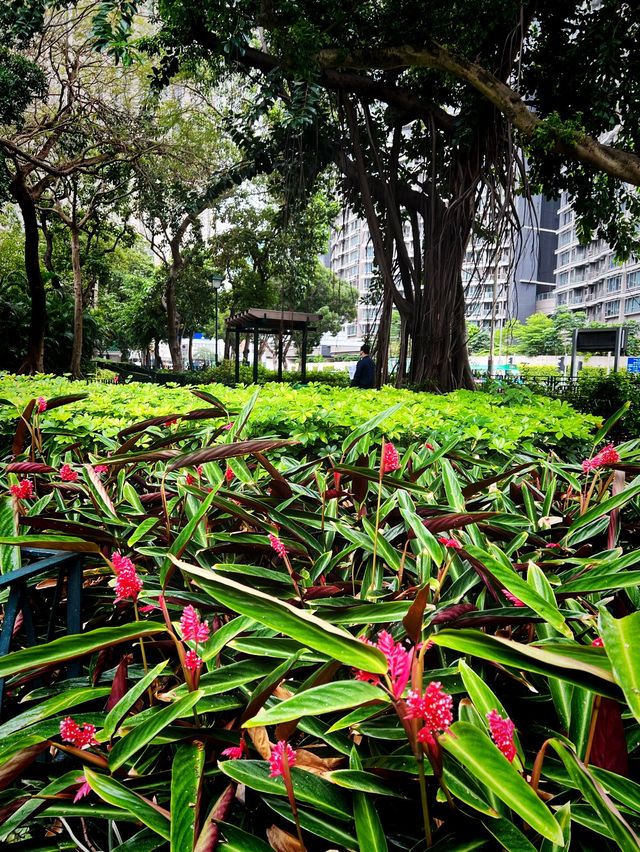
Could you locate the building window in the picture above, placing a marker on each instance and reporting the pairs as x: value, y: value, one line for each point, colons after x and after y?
x: 563, y: 278
x: 564, y: 258
x: 565, y: 237
x: 614, y: 284
x: 633, y: 279
x: 612, y: 309
x: 632, y: 306
x: 562, y: 298
x: 352, y: 329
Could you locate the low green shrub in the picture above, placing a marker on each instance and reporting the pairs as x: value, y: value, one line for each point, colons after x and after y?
x: 535, y: 371
x: 441, y: 641
x: 316, y: 415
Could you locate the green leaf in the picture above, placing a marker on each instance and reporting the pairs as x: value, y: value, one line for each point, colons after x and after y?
x: 331, y: 831
x: 508, y: 835
x: 365, y: 782
x: 455, y: 497
x: 52, y: 542
x: 475, y: 751
x: 532, y: 658
x: 141, y: 530
x: 224, y: 635
x: 69, y: 647
x: 186, y: 776
x: 368, y: 426
x: 369, y: 828
x: 596, y: 796
x: 116, y: 794
x: 302, y: 626
x: 621, y: 637
x: 512, y: 581
x: 340, y: 695
x: 312, y: 789
x: 184, y: 536
x: 119, y: 710
x: 9, y: 556
x: 132, y: 742
x: 237, y: 840
x: 606, y: 506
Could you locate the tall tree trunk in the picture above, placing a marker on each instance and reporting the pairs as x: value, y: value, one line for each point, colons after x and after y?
x: 173, y: 335
x: 34, y: 361
x: 191, y: 350
x: 157, y: 362
x: 227, y: 347
x: 78, y: 304
x: 403, y: 352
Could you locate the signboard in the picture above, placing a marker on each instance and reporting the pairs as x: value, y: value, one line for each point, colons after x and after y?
x: 633, y: 365
x: 600, y: 339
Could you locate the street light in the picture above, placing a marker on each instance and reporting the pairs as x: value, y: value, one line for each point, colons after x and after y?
x: 216, y: 282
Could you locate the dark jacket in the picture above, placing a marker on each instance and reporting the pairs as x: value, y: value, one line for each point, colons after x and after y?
x: 365, y: 374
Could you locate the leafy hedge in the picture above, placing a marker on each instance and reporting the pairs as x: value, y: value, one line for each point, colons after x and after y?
x: 316, y: 416
x: 417, y: 628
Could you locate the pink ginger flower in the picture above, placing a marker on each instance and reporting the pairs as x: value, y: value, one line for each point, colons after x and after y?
x: 41, y: 402
x: 128, y: 584
x: 512, y: 598
x: 502, y: 733
x: 236, y: 752
x: 68, y: 474
x: 552, y: 544
x: 23, y: 490
x: 605, y: 458
x: 428, y: 446
x: 199, y: 470
x: 116, y: 380
x: 450, y: 542
x: 398, y: 660
x: 192, y: 661
x: 434, y: 708
x: 83, y: 790
x: 190, y: 479
x: 80, y: 737
x: 193, y: 630
x: 277, y: 545
x: 171, y: 422
x: 227, y: 426
x: 101, y: 468
x: 390, y: 458
x: 278, y: 753
x: 228, y: 474
x: 597, y: 642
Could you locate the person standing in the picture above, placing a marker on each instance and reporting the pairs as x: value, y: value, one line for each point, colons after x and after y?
x: 365, y: 374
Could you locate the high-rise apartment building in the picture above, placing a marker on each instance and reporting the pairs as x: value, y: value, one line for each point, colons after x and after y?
x: 589, y: 279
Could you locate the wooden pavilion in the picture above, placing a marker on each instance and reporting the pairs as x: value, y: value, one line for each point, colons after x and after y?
x: 259, y: 321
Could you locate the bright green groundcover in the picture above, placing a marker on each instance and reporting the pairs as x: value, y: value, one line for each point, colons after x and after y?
x: 313, y: 415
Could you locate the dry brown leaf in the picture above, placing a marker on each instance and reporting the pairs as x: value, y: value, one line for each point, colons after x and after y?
x: 260, y: 739
x: 311, y: 762
x: 282, y: 841
x: 283, y: 693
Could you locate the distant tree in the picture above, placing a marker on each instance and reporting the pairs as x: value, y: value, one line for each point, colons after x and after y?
x: 537, y: 336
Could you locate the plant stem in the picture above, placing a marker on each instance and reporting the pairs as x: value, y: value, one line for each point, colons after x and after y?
x: 143, y: 654
x: 423, y: 799
x: 375, y: 534
x: 288, y: 783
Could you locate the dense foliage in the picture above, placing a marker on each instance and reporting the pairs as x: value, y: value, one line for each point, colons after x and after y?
x: 414, y: 627
x: 316, y: 415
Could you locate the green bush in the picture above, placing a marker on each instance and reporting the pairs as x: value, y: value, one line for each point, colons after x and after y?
x: 316, y: 415
x: 533, y: 371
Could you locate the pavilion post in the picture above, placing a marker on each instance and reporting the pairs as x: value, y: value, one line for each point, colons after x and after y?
x: 280, y: 353
x: 237, y: 355
x: 256, y: 342
x: 303, y: 354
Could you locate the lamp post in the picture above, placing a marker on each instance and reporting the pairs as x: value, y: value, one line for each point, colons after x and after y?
x: 216, y: 282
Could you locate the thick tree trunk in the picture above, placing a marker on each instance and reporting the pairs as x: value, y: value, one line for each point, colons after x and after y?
x: 157, y: 361
x: 227, y: 347
x: 34, y: 361
x: 78, y: 305
x: 191, y: 350
x: 173, y: 335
